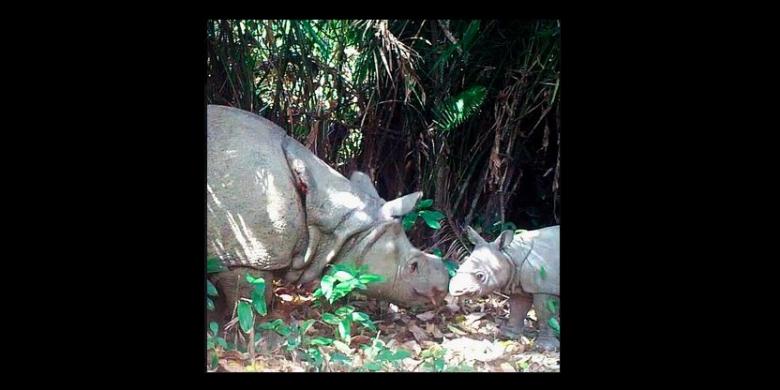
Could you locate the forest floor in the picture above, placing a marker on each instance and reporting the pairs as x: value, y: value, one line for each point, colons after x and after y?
x: 461, y: 336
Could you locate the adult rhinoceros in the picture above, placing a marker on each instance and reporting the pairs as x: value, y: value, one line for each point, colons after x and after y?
x: 275, y: 209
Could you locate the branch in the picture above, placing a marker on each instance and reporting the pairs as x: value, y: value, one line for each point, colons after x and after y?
x: 449, y: 36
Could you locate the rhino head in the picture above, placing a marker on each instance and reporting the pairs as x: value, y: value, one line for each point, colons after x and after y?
x: 411, y: 276
x: 487, y: 269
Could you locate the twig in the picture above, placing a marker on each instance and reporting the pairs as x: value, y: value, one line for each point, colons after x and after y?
x: 449, y: 36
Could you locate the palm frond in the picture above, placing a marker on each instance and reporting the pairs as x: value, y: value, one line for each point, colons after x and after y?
x: 454, y: 111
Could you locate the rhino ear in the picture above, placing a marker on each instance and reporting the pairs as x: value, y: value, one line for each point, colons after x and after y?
x: 363, y: 183
x: 400, y: 206
x: 474, y: 237
x: 505, y: 238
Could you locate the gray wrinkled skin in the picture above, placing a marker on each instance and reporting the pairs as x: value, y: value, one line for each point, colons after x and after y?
x: 512, y: 264
x: 275, y: 209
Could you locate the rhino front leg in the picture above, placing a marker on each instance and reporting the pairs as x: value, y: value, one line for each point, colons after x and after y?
x: 519, y: 305
x: 546, y: 339
x: 327, y: 251
x: 301, y: 261
x: 232, y: 285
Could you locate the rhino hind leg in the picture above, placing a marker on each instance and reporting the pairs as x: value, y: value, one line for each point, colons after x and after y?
x: 232, y: 285
x: 546, y: 339
x: 519, y: 304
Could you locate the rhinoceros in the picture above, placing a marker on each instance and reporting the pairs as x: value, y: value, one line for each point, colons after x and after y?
x: 275, y: 209
x: 523, y: 265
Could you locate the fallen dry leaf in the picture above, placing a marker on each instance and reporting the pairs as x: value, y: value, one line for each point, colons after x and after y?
x: 471, y: 318
x: 286, y: 297
x: 412, y: 346
x: 230, y: 366
x: 360, y: 339
x: 456, y: 330
x: 506, y: 367
x: 427, y: 316
x: 342, y: 347
x: 417, y: 332
x: 233, y: 355
x: 436, y: 332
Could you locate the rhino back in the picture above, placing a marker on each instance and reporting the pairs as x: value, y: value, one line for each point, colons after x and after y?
x: 255, y: 216
x: 544, y: 246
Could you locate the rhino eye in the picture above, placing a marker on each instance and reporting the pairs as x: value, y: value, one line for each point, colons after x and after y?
x: 414, y: 266
x: 481, y: 277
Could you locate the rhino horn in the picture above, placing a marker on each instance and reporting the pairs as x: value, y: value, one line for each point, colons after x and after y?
x: 400, y: 206
x: 474, y: 237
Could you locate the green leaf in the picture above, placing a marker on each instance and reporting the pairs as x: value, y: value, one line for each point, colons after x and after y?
x: 338, y: 357
x: 326, y: 284
x: 283, y: 330
x: 435, y: 214
x: 210, y: 289
x: 214, y: 361
x: 454, y: 111
x: 438, y: 365
x: 424, y: 204
x: 373, y: 366
x: 245, y: 316
x: 209, y: 304
x: 360, y: 317
x: 470, y: 35
x: 452, y: 267
x: 330, y: 319
x: 370, y: 278
x: 258, y: 300
x: 551, y: 306
x: 255, y: 281
x: 343, y: 289
x: 314, y: 356
x: 344, y: 310
x: 437, y: 252
x: 346, y: 267
x: 267, y: 325
x: 322, y: 44
x: 431, y: 218
x: 553, y: 322
x: 321, y: 341
x: 344, y: 329
x: 214, y: 327
x: 343, y: 276
x: 305, y: 325
x: 210, y: 343
x: 213, y: 265
x: 409, y: 220
x: 317, y: 293
x: 542, y: 273
x: 293, y: 341
x: 393, y: 356
x: 221, y: 342
x: 364, y: 319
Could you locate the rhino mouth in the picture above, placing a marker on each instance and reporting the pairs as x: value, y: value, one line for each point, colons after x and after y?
x: 434, y: 295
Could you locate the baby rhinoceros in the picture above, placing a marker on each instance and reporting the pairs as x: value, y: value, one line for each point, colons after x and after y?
x: 523, y: 265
